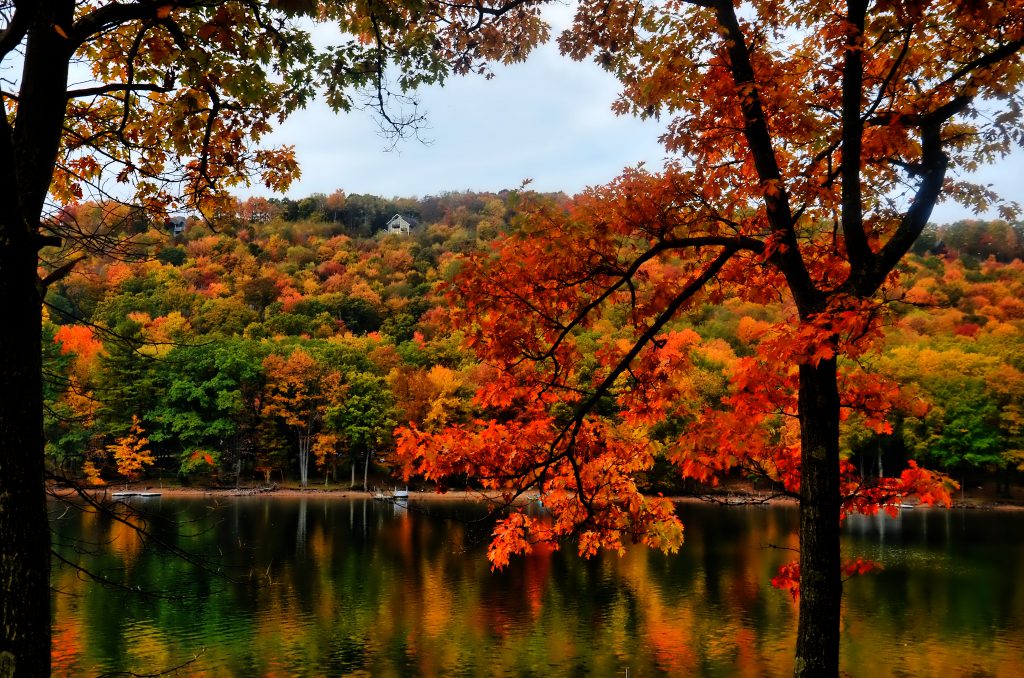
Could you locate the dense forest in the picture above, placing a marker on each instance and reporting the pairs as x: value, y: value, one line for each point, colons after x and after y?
x: 289, y: 339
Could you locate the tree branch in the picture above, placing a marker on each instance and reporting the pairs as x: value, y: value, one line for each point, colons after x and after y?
x: 117, y: 87
x: 853, y: 135
x: 738, y: 243
x: 61, y: 272
x: 932, y: 170
x: 117, y: 14
x: 934, y: 162
x: 759, y: 139
x: 667, y: 314
x: 17, y: 28
x: 89, y: 501
x: 571, y: 430
x: 988, y: 59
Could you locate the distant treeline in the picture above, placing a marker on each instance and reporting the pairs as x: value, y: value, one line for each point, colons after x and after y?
x: 295, y: 336
x: 975, y: 238
x: 363, y: 214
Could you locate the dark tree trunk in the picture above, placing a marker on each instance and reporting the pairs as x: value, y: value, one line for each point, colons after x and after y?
x: 28, y: 151
x: 817, y: 644
x: 24, y: 532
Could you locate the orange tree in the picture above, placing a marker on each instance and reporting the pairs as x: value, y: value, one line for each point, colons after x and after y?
x: 812, y: 141
x: 300, y: 390
x: 172, y: 100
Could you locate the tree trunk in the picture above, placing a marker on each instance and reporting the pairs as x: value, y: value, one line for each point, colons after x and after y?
x: 27, y: 155
x: 817, y: 644
x: 24, y: 532
x: 304, y: 443
x: 366, y: 470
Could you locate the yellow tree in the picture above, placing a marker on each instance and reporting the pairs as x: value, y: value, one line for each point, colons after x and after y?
x: 300, y: 390
x: 326, y: 447
x: 131, y: 452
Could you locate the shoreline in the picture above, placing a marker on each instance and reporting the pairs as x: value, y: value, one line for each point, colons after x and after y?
x: 731, y: 498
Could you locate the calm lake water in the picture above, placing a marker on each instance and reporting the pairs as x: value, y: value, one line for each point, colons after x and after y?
x: 357, y: 587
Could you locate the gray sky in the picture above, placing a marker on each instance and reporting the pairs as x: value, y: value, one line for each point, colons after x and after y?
x: 548, y: 120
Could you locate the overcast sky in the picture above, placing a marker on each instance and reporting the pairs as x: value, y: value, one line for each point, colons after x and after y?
x: 548, y: 120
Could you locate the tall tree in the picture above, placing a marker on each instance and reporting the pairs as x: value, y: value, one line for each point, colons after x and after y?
x: 211, y: 399
x: 814, y: 141
x: 301, y: 390
x: 364, y: 418
x: 179, y: 95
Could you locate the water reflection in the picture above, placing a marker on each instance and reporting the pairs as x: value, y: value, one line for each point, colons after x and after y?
x: 371, y: 588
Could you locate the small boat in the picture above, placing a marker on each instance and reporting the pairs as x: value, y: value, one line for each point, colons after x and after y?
x: 149, y: 494
x: 124, y: 494
x: 392, y: 495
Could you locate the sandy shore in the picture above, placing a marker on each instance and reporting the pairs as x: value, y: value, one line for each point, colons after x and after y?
x: 730, y: 499
x: 279, y: 492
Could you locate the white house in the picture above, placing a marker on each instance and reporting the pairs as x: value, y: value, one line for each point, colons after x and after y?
x: 400, y: 224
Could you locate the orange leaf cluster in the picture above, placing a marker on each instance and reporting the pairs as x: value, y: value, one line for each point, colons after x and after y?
x: 590, y: 494
x: 81, y: 341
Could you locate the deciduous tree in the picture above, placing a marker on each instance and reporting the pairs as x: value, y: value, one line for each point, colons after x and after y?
x: 300, y: 390
x: 178, y: 95
x: 813, y: 140
x: 364, y: 418
x: 131, y: 452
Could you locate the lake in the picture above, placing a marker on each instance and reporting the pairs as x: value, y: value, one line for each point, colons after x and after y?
x: 324, y: 586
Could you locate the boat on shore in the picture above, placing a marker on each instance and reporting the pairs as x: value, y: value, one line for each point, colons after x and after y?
x: 392, y: 495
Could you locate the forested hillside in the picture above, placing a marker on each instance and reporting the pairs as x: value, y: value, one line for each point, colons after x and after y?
x: 288, y: 340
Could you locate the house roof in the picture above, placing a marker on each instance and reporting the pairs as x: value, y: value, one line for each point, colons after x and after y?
x: 412, y: 221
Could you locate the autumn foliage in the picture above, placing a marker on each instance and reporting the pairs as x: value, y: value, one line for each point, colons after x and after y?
x: 584, y: 401
x: 131, y: 452
x: 300, y: 390
x: 813, y: 142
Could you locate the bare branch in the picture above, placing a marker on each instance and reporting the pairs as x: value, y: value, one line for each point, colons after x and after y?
x: 165, y: 672
x: 61, y: 272
x: 17, y: 28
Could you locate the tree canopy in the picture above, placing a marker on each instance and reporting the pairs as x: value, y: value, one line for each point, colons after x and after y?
x: 813, y: 141
x: 155, y: 106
